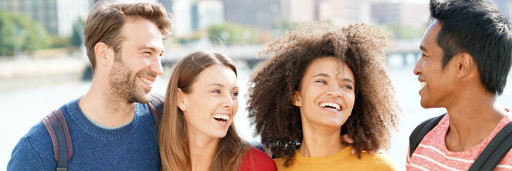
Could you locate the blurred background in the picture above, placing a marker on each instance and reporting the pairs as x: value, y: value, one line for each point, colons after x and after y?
x: 43, y: 63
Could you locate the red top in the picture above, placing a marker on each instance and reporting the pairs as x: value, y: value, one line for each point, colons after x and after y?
x: 255, y: 160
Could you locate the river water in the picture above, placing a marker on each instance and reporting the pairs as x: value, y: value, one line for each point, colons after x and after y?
x: 25, y: 106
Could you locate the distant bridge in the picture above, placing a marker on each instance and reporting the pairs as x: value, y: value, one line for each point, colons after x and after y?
x: 407, y: 51
x: 245, y: 55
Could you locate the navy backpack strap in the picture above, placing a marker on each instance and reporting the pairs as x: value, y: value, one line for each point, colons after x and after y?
x: 58, y: 129
x: 156, y: 106
x: 420, y: 131
x: 495, y: 150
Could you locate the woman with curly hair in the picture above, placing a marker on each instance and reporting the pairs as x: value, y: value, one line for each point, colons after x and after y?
x: 197, y: 130
x: 319, y: 84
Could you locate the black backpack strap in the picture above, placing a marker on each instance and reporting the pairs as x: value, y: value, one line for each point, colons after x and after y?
x: 156, y: 106
x: 58, y: 129
x: 495, y: 150
x: 420, y: 131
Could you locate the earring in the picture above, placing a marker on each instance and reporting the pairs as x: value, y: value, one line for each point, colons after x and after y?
x: 183, y: 108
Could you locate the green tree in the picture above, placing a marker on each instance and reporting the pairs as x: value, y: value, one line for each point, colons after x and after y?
x: 402, y: 31
x: 19, y: 33
x: 281, y: 26
x: 77, y: 35
x: 230, y: 34
x: 60, y: 42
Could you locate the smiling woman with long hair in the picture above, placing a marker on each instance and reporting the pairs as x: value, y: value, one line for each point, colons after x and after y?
x: 197, y: 130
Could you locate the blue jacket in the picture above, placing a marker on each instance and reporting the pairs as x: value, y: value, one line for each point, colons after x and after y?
x: 130, y: 147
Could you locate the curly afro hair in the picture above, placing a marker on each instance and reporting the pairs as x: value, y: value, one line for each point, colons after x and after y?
x: 273, y: 83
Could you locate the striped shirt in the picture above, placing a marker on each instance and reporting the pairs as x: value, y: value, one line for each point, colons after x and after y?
x: 432, y: 154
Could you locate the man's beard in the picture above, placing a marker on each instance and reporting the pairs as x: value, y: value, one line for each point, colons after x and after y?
x: 122, y: 83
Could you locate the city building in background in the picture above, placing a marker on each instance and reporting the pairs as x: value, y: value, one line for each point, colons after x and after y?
x: 274, y: 16
x: 182, y: 12
x: 298, y: 11
x: 389, y: 12
x: 342, y: 12
x: 206, y: 13
x: 192, y: 15
x: 262, y: 14
x: 57, y: 16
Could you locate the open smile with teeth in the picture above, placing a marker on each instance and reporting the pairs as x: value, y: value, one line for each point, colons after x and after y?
x: 423, y: 84
x: 221, y: 117
x: 146, y: 80
x: 331, y: 106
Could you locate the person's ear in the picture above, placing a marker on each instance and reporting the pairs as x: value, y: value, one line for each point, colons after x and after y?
x: 104, y: 54
x: 465, y: 64
x: 296, y: 101
x: 181, y: 101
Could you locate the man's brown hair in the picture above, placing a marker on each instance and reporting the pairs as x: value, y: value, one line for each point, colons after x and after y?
x: 106, y: 19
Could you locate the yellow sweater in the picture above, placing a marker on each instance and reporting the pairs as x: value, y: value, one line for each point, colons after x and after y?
x: 342, y: 160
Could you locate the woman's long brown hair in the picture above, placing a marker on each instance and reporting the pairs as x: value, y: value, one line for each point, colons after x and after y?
x: 173, y: 140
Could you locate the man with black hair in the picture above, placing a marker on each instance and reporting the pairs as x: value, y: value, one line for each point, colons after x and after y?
x: 466, y: 57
